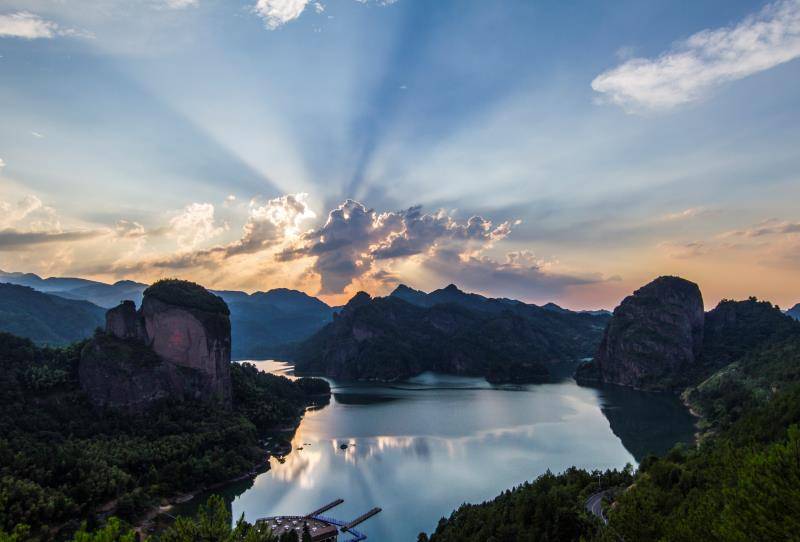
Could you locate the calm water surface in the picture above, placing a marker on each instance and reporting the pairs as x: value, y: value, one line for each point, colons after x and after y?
x: 420, y: 448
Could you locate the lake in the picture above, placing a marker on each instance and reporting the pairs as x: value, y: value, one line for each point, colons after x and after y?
x: 420, y: 448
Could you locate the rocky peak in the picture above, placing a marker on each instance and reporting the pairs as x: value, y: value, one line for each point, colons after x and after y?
x: 181, y: 326
x: 653, y: 337
x: 358, y: 300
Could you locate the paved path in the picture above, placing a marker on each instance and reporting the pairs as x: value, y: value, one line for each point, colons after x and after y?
x: 594, y: 504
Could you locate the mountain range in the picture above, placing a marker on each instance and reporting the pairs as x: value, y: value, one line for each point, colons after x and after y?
x: 261, y: 322
x: 450, y: 331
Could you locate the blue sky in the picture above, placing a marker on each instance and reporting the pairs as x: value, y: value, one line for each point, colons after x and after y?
x: 597, y: 144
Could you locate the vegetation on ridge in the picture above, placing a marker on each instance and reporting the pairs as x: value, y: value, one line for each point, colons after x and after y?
x: 186, y: 294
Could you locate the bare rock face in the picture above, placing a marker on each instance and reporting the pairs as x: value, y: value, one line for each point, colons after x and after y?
x: 124, y: 323
x: 654, y: 338
x: 177, y: 346
x: 194, y: 339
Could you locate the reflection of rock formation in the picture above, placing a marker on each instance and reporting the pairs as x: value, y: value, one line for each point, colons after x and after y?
x: 646, y: 422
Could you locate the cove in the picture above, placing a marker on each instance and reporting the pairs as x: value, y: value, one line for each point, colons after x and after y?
x: 420, y: 448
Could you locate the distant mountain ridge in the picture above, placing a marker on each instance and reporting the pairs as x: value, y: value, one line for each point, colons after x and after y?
x: 447, y: 330
x: 262, y: 322
x: 47, y: 318
x: 794, y: 312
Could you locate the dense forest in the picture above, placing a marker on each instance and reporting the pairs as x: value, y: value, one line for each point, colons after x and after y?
x: 61, y: 461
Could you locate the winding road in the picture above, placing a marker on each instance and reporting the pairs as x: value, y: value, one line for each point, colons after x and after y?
x: 594, y: 505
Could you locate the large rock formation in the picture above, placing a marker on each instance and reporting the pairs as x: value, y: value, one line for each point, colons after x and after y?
x: 654, y: 338
x: 177, y: 345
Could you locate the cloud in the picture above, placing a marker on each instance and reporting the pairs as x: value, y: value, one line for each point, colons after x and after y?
x: 269, y: 223
x: 706, y: 60
x: 2, y: 163
x: 180, y: 4
x: 195, y: 225
x: 686, y: 250
x: 520, y: 275
x: 12, y: 214
x: 126, y: 229
x: 771, y: 226
x: 277, y: 13
x: 13, y: 239
x: 26, y: 25
x: 691, y: 212
x: 354, y: 237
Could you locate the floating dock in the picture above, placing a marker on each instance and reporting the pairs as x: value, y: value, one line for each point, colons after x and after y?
x: 321, y: 528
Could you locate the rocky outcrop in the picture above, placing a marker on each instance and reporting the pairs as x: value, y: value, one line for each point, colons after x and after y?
x: 654, y: 339
x: 176, y: 346
x: 123, y: 322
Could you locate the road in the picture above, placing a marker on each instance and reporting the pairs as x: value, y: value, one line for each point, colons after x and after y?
x: 594, y: 504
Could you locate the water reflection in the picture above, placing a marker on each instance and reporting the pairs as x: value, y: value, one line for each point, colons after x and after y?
x: 646, y: 422
x: 421, y: 448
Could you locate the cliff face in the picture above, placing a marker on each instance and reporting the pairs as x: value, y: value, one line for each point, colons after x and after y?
x: 660, y: 339
x: 654, y: 338
x: 178, y: 345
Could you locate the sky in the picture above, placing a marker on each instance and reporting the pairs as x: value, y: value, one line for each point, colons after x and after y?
x: 538, y: 150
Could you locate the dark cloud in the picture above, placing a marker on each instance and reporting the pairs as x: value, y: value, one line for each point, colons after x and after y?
x: 13, y: 239
x: 353, y: 237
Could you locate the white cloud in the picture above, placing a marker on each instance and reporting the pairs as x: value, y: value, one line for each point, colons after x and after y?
x: 195, y: 225
x: 277, y: 13
x: 180, y: 4
x: 706, y: 60
x: 26, y: 25
x: 12, y: 214
x: 37, y: 135
x: 30, y: 26
x: 691, y: 212
x: 2, y: 163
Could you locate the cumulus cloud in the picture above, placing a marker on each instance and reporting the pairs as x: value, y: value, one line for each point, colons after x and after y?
x: 706, y: 60
x: 354, y: 237
x: 195, y: 225
x: 269, y: 223
x: 277, y: 13
x: 24, y: 208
